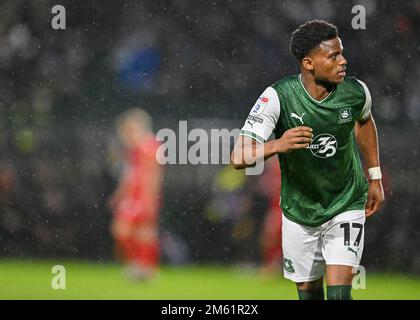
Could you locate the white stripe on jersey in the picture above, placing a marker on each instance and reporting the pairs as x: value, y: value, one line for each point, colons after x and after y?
x: 368, y: 102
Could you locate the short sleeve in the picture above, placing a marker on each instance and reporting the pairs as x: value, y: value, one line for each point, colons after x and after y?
x: 263, y: 116
x: 368, y: 102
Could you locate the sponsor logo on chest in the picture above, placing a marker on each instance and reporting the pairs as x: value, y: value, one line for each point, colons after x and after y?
x: 324, y: 145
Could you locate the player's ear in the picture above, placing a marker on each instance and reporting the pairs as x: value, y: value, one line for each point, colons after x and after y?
x: 307, y: 63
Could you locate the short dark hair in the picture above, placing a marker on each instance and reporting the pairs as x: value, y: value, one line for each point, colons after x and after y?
x: 309, y: 35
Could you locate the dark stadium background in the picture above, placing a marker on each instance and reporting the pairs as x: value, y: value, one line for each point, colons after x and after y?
x: 60, y: 92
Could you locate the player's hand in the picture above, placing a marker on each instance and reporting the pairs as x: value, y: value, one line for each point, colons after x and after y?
x: 293, y: 139
x: 375, y: 197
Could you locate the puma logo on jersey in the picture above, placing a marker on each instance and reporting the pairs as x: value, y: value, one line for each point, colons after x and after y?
x: 294, y: 115
x: 351, y: 250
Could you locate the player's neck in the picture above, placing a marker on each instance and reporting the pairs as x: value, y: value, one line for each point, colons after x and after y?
x: 318, y: 90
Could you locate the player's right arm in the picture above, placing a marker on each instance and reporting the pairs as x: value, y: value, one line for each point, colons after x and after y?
x: 251, y: 145
x: 248, y: 151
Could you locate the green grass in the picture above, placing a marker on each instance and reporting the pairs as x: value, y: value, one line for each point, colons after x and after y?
x: 32, y: 280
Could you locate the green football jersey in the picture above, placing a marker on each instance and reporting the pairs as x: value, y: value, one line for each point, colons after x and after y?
x: 325, y: 179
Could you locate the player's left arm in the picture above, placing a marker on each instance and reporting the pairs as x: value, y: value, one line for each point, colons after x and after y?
x: 367, y: 140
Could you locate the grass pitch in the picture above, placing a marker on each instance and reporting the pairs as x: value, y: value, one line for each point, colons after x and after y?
x: 32, y: 280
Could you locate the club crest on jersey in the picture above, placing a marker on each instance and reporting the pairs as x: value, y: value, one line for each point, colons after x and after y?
x: 259, y: 106
x: 345, y: 115
x: 323, y: 145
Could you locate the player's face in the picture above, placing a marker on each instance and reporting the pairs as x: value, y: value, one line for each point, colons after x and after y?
x: 328, y: 62
x: 129, y: 132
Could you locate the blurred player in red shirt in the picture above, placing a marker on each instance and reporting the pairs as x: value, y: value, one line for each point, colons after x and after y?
x: 136, y: 201
x: 271, y: 235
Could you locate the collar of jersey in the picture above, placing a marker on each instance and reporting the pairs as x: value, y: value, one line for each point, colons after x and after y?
x: 310, y: 97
